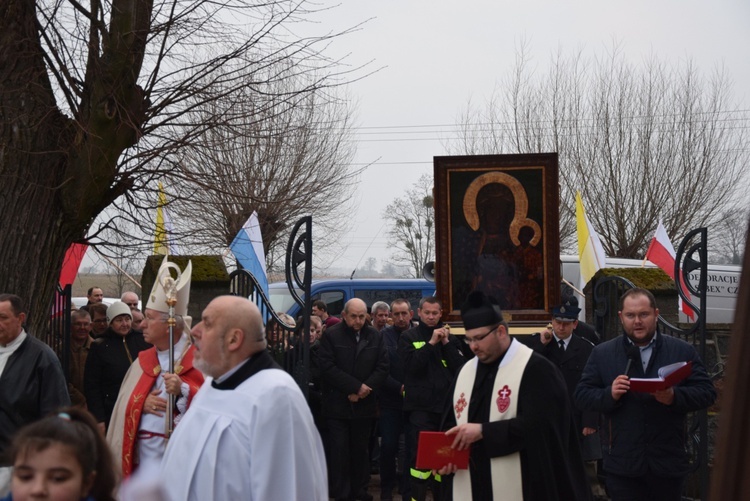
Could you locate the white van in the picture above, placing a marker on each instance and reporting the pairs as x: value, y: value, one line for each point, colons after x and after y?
x: 723, y: 284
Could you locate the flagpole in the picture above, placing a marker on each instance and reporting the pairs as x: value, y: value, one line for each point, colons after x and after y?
x: 118, y: 268
x: 576, y: 289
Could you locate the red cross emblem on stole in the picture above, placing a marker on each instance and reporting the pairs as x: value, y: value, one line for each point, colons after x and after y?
x: 460, y: 405
x: 503, y: 399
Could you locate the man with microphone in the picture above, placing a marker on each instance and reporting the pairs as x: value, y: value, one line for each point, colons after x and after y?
x: 645, y: 455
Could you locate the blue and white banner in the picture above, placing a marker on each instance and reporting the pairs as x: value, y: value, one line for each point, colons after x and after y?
x: 247, y: 248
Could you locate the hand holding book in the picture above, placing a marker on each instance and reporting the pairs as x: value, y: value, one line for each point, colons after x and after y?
x: 669, y: 375
x: 435, y: 451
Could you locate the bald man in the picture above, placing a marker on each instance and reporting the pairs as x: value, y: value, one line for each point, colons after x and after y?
x: 249, y: 433
x: 353, y: 363
x: 131, y: 299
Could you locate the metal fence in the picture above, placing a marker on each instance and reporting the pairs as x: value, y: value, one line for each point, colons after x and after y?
x: 58, y: 334
x: 288, y: 339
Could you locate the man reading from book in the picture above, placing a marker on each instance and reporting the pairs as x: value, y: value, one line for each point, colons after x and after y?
x: 645, y: 457
x: 510, y: 406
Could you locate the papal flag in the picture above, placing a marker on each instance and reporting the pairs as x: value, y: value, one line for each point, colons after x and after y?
x: 164, y: 243
x: 590, y: 251
x: 247, y: 248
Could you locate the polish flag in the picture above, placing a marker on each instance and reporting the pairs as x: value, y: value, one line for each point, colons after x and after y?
x: 662, y: 254
x: 71, y: 263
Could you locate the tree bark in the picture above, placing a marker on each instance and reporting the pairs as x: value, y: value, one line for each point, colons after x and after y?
x: 56, y: 173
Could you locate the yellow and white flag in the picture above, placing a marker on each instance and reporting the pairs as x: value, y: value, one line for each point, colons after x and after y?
x: 163, y: 236
x: 590, y: 251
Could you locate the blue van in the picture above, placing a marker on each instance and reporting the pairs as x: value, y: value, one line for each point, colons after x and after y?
x: 336, y: 292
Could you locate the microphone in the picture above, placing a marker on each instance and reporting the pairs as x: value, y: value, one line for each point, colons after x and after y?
x: 634, y: 353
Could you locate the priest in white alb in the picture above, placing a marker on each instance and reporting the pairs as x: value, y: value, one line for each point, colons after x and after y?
x: 510, y: 407
x: 138, y: 431
x: 249, y: 433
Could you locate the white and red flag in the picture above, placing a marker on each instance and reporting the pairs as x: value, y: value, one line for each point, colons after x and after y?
x: 661, y: 253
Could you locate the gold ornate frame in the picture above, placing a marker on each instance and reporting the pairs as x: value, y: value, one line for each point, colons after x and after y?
x: 524, y: 274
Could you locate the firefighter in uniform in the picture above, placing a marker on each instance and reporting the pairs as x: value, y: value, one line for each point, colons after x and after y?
x: 432, y: 358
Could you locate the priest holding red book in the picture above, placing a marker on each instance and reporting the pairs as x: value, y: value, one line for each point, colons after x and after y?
x: 511, y: 408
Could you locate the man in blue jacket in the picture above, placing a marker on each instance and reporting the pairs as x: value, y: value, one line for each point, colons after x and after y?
x: 643, y: 433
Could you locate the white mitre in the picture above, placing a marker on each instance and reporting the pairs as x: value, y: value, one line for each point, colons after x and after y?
x: 157, y: 300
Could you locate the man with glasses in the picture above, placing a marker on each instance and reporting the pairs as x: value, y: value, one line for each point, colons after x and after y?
x: 431, y: 358
x: 131, y: 299
x: 646, y: 456
x: 511, y: 408
x: 138, y: 431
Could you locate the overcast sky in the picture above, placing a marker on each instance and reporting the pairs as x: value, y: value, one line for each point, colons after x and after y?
x: 435, y: 55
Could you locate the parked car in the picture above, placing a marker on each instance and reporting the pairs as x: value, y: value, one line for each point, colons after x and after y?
x: 336, y: 292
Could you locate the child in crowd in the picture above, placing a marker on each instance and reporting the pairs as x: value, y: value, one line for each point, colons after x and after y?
x: 63, y: 458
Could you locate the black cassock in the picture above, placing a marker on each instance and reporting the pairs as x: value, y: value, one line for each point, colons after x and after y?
x: 542, y: 431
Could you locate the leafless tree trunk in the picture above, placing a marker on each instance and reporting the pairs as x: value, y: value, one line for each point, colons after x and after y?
x: 98, y: 99
x: 640, y: 142
x: 412, y: 231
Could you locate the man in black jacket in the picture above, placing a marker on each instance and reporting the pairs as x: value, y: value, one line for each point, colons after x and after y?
x: 511, y: 409
x: 644, y: 433
x: 32, y: 383
x: 353, y: 363
x: 391, y: 401
x: 432, y: 357
x: 570, y: 352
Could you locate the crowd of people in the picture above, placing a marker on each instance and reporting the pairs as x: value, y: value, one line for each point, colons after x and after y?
x: 545, y: 417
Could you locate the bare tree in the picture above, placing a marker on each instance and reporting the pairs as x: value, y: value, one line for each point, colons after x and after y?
x: 126, y: 261
x: 412, y: 229
x: 640, y: 142
x: 282, y: 154
x: 729, y: 237
x: 97, y: 99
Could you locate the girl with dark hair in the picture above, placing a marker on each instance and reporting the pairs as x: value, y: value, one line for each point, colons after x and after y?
x: 62, y: 458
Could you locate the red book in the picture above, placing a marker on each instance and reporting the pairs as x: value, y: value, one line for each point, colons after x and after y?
x: 434, y: 451
x: 669, y: 375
